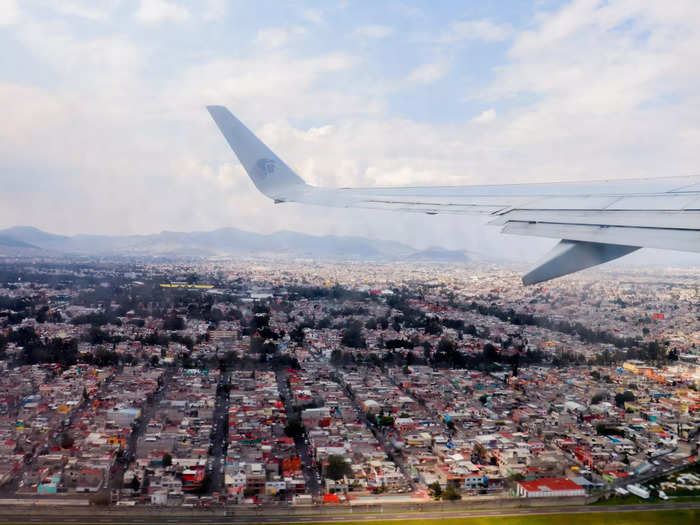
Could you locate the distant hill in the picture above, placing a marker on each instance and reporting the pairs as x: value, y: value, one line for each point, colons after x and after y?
x: 436, y: 254
x: 221, y: 242
x: 11, y: 242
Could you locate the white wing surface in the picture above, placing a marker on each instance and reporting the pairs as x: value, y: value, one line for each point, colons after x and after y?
x: 596, y: 221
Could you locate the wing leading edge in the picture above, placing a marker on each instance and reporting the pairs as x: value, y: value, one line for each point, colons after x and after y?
x: 596, y: 221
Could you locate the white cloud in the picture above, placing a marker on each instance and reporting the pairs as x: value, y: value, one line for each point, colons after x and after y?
x: 213, y: 9
x: 598, y: 58
x: 610, y: 91
x: 374, y: 31
x: 484, y: 30
x: 103, y: 63
x: 315, y: 16
x: 9, y: 12
x: 485, y: 116
x: 429, y: 73
x: 271, y: 85
x: 157, y: 11
x: 279, y: 36
x: 87, y: 10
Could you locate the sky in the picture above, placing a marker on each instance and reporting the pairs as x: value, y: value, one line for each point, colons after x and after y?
x: 104, y: 129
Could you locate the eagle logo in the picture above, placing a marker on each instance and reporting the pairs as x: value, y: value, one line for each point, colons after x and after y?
x: 265, y: 168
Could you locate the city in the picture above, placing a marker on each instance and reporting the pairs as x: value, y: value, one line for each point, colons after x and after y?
x: 269, y: 383
x: 401, y: 262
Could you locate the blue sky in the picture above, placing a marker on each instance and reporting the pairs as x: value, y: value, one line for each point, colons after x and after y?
x: 105, y: 131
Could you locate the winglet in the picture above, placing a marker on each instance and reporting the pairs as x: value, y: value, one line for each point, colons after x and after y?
x: 571, y: 256
x: 268, y: 172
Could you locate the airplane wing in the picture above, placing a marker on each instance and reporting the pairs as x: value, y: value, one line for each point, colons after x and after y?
x: 596, y: 221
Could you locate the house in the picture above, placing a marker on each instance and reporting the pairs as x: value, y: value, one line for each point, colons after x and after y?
x: 549, y: 487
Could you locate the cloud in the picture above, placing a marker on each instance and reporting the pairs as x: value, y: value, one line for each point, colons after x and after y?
x: 484, y: 30
x: 9, y: 12
x: 158, y: 11
x: 213, y: 9
x: 586, y: 90
x: 87, y: 10
x: 279, y: 36
x: 374, y: 31
x: 103, y: 63
x: 429, y: 73
x: 315, y: 16
x: 485, y: 116
x: 271, y: 85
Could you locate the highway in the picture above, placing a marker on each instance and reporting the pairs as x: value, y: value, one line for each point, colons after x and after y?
x: 248, y: 517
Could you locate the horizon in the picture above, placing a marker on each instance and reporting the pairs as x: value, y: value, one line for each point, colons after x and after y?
x: 645, y: 258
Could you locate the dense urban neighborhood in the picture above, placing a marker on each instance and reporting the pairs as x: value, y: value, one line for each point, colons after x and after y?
x: 322, y: 383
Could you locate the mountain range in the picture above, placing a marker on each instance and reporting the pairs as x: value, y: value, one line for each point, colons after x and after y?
x: 30, y: 241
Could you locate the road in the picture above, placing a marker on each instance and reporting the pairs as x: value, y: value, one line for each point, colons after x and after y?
x: 311, y: 475
x: 147, y: 413
x: 251, y: 517
x: 665, y: 467
x: 220, y: 431
x: 380, y: 435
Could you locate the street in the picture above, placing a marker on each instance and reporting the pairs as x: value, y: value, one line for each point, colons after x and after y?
x: 311, y: 474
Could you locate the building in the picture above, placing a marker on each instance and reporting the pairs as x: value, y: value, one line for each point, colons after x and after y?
x: 549, y: 487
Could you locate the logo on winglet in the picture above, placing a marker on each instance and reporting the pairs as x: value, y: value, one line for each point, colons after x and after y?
x: 264, y: 168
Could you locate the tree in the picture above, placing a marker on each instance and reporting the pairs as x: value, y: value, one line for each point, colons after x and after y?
x: 435, y: 489
x: 336, y: 357
x: 167, y: 460
x: 101, y: 499
x: 433, y: 326
x: 385, y: 421
x: 256, y: 345
x: 173, y: 322
x: 337, y: 467
x: 450, y: 494
x: 352, y: 335
x: 135, y: 484
x: 324, y: 323
x: 67, y: 440
x: 604, y: 430
x: 294, y: 428
x: 297, y: 334
x: 597, y: 398
x: 490, y: 353
x: 446, y: 346
x: 625, y: 397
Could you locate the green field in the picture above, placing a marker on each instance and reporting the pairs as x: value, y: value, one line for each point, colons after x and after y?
x: 652, y: 517
x: 660, y: 517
